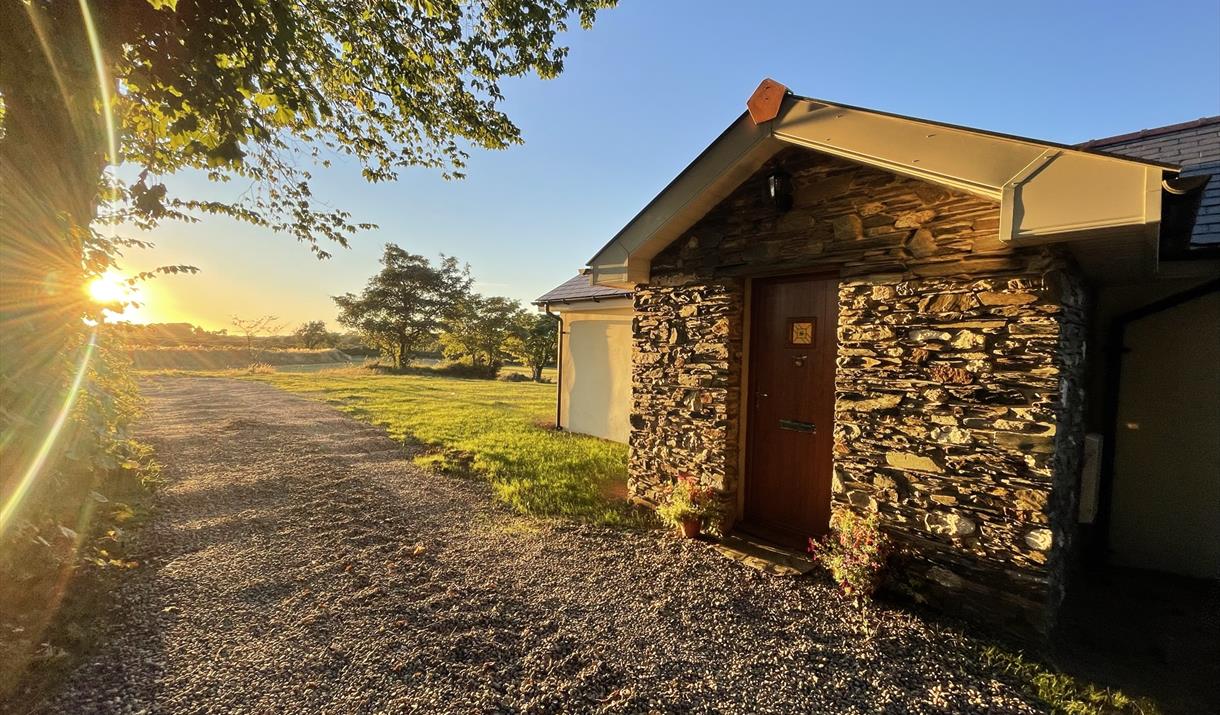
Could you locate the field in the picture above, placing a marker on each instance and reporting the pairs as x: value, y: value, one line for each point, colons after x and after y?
x: 220, y: 358
x: 501, y: 430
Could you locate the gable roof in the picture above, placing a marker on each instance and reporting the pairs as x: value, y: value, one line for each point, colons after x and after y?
x: 580, y: 288
x: 1195, y: 146
x: 1046, y: 191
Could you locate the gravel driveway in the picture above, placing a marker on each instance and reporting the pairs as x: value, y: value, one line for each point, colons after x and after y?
x: 301, y: 563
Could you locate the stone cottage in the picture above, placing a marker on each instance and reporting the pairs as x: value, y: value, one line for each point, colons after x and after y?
x: 840, y: 308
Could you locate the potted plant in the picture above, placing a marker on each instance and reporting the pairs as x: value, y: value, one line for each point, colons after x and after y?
x: 691, y: 508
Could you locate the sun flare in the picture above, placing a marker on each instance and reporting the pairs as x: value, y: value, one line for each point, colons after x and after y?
x: 110, y: 287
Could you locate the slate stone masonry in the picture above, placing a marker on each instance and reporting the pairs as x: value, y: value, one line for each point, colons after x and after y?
x: 958, y: 387
x: 957, y: 418
x: 686, y: 386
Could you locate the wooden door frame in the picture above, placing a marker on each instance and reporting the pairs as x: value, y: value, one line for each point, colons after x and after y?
x: 747, y: 340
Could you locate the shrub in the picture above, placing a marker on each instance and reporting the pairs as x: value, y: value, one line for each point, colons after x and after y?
x: 60, y: 529
x: 687, y: 500
x: 357, y: 350
x: 467, y: 370
x: 855, y: 552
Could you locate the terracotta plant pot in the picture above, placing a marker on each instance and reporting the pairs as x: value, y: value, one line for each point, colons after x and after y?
x: 689, y: 529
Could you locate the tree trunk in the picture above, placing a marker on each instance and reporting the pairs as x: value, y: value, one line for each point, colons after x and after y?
x: 52, y: 155
x: 537, y: 370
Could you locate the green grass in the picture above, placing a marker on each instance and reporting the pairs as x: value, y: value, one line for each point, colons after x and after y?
x: 497, y: 429
x: 1061, y: 692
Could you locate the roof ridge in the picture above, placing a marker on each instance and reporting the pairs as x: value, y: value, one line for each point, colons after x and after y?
x: 1152, y: 132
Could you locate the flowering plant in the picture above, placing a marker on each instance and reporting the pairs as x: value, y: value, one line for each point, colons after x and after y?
x: 855, y: 552
x: 687, y: 501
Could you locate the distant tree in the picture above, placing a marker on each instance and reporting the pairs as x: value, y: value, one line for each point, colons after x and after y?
x: 251, y: 328
x: 312, y: 334
x: 406, y: 304
x: 478, y: 328
x: 533, y: 342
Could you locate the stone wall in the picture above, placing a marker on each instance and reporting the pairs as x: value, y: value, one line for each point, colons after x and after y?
x: 958, y: 374
x: 958, y: 419
x: 686, y: 386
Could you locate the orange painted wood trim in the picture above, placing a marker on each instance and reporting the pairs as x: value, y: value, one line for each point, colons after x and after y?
x: 765, y: 102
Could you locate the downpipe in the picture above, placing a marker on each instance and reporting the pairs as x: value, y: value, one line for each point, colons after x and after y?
x: 558, y: 364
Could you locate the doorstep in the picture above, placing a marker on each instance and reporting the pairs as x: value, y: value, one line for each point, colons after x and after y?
x: 763, y: 556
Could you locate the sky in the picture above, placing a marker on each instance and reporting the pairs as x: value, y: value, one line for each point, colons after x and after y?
x: 651, y: 85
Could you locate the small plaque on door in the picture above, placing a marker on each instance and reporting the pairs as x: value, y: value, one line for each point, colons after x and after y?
x: 801, y: 332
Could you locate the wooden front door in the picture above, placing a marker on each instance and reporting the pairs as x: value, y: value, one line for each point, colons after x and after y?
x: 791, y: 408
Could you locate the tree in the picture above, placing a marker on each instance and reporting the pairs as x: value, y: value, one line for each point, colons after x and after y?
x: 251, y: 328
x: 406, y: 304
x: 246, y: 87
x: 477, y: 330
x: 313, y: 334
x: 533, y: 342
x: 262, y: 91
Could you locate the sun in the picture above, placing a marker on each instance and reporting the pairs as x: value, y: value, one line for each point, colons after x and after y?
x: 109, y: 288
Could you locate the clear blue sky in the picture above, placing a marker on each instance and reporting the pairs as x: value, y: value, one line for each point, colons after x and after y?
x: 654, y: 82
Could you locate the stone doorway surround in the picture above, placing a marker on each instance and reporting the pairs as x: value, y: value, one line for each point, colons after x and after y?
x: 763, y: 556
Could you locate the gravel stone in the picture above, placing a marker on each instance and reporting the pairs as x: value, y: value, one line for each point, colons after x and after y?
x: 300, y: 562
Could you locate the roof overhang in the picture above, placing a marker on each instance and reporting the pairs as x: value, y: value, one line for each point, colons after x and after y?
x: 591, y: 305
x: 1047, y: 192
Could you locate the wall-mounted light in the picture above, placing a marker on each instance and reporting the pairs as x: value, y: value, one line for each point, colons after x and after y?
x: 779, y: 185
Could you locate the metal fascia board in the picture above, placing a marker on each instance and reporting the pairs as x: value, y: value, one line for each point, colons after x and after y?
x: 735, y: 141
x: 973, y: 188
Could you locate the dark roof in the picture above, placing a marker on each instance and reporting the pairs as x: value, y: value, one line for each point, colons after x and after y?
x: 1194, y: 146
x: 578, y: 288
x: 1154, y: 132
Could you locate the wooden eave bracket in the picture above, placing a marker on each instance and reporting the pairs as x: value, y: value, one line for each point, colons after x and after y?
x: 764, y: 104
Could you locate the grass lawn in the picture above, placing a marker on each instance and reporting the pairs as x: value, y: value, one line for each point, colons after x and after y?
x: 497, y: 429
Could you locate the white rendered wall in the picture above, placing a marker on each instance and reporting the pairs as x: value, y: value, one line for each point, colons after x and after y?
x: 595, y: 391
